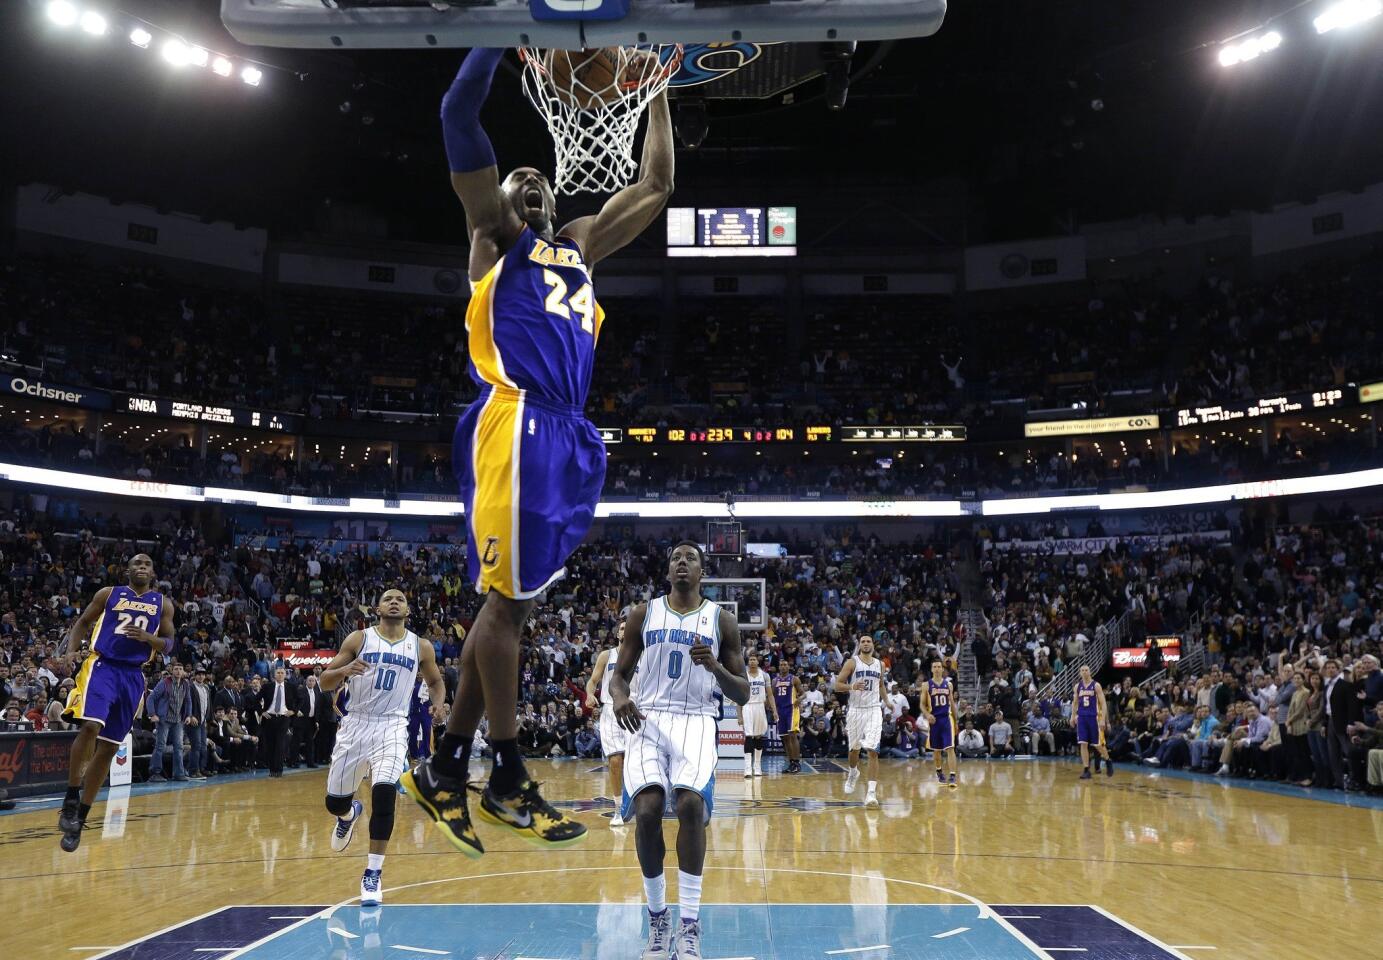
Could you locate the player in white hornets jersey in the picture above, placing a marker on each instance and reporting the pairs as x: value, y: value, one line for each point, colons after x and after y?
x: 377, y: 667
x: 755, y: 717
x: 687, y: 651
x: 862, y: 676
x: 613, y: 737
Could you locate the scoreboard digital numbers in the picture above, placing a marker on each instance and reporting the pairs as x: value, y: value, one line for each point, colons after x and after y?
x: 732, y: 231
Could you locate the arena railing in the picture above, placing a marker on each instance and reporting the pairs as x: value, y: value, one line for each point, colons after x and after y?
x: 710, y: 509
x: 1096, y: 655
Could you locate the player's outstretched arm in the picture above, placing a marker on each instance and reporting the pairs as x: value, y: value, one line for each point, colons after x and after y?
x: 81, y: 627
x: 842, y: 684
x: 345, y: 664
x: 629, y: 212
x: 436, y: 686
x: 630, y: 648
x: 490, y: 221
x: 729, y: 669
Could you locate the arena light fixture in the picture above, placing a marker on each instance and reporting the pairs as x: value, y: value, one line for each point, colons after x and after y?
x: 222, y: 67
x: 252, y: 75
x: 1250, y: 48
x: 197, y: 56
x: 62, y: 13
x: 175, y: 52
x: 141, y: 38
x: 1347, y: 13
x: 93, y: 23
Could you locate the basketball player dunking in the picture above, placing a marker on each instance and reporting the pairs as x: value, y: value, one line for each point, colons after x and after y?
x: 1090, y: 722
x: 378, y: 667
x: 755, y: 717
x: 687, y: 651
x: 128, y: 627
x: 938, y: 700
x: 529, y: 464
x: 613, y: 737
x: 862, y: 677
x: 787, y: 694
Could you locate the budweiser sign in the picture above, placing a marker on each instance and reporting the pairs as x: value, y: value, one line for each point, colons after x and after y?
x: 305, y: 659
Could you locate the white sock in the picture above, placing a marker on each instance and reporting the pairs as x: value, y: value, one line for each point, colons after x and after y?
x: 871, y: 785
x: 759, y: 759
x: 376, y: 862
x: 689, y: 895
x: 655, y: 890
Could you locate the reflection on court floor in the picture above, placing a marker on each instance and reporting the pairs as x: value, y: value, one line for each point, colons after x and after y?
x: 616, y: 932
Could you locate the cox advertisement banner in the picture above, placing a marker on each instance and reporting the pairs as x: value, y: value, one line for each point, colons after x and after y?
x: 305, y: 659
x: 1091, y: 545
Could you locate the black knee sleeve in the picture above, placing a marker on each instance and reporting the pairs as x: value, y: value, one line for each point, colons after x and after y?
x: 338, y: 805
x: 383, y: 796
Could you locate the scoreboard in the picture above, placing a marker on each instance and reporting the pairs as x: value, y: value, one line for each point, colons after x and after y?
x: 731, y: 231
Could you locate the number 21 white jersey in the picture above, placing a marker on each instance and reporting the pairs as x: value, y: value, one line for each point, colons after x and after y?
x: 668, y: 679
x: 386, y: 689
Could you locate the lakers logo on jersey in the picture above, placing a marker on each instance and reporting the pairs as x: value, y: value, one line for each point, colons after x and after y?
x: 490, y: 556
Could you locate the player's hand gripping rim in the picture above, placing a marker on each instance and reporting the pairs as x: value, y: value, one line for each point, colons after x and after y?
x: 627, y: 715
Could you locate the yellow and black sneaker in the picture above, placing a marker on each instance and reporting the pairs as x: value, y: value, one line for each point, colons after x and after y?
x: 531, y: 817
x: 444, y: 800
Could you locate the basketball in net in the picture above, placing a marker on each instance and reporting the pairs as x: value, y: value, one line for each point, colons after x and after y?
x: 592, y: 101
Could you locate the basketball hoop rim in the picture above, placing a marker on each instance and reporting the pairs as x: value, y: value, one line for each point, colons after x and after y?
x: 530, y: 56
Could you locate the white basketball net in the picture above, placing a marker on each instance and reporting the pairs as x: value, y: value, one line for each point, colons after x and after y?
x: 593, y: 122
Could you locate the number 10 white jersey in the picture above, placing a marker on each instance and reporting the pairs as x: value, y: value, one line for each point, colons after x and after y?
x: 386, y: 689
x: 668, y: 679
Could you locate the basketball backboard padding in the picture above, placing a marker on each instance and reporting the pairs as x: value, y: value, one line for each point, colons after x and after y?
x: 509, y: 23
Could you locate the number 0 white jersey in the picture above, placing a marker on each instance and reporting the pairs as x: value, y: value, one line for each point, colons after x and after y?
x: 386, y: 689
x: 871, y: 674
x: 668, y: 679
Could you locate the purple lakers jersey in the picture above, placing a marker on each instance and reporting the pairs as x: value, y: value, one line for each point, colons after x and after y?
x: 941, y: 697
x: 1085, y: 700
x: 533, y: 321
x: 783, y: 693
x: 124, y: 606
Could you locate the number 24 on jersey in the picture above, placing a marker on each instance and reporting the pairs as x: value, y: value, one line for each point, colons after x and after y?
x: 582, y: 302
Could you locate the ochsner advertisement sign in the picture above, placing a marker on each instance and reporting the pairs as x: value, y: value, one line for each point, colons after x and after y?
x: 80, y: 396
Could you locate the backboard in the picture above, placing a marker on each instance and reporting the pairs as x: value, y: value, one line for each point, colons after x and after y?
x: 570, y: 24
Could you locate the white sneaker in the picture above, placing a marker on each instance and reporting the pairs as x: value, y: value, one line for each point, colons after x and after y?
x: 870, y: 800
x: 371, y: 888
x: 1152, y: 761
x: 852, y: 778
x: 1223, y: 771
x: 659, y: 936
x: 616, y: 820
x: 689, y: 941
x: 345, y: 829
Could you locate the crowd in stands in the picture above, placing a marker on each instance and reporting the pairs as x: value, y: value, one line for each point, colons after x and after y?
x: 864, y: 359
x: 1284, y: 623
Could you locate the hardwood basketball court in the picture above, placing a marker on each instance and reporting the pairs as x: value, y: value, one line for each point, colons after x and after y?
x: 1024, y: 860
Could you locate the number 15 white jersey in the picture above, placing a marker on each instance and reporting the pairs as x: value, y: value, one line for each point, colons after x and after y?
x: 668, y: 679
x: 386, y: 689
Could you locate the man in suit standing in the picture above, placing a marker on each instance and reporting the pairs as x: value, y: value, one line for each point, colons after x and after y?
x: 278, y: 703
x: 327, y: 719
x: 1342, y: 707
x: 314, y: 704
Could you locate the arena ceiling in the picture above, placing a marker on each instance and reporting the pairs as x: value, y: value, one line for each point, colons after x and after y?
x: 1031, y: 112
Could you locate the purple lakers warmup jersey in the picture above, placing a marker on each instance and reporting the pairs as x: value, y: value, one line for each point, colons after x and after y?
x: 124, y: 606
x: 533, y: 322
x: 941, y: 697
x: 1085, y: 700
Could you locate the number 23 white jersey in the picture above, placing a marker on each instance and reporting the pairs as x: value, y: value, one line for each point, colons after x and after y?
x: 668, y: 679
x: 386, y: 689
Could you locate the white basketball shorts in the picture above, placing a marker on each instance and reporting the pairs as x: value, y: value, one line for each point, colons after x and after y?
x: 614, y: 739
x: 755, y: 720
x: 863, y: 728
x: 675, y: 751
x: 374, y: 745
